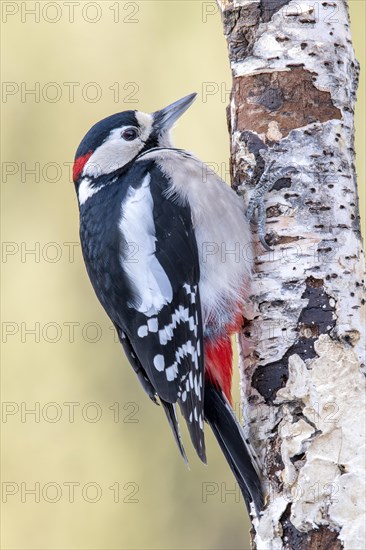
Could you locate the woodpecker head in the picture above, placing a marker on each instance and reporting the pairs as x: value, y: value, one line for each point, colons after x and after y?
x: 119, y: 139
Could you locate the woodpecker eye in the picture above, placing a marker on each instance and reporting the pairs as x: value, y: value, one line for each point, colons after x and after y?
x: 130, y: 134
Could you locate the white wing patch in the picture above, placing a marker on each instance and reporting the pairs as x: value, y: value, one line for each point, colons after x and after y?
x: 145, y: 272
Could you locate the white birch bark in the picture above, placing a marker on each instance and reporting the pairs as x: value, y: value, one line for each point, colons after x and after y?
x: 303, y: 390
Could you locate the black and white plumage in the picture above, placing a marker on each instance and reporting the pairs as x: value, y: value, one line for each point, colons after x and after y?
x: 154, y: 222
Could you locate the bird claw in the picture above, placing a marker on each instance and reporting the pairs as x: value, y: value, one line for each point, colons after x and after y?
x: 256, y: 202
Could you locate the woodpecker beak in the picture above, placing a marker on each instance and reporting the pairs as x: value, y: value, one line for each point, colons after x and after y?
x: 164, y: 119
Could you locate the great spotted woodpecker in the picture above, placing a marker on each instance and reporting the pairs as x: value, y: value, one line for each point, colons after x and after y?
x: 160, y: 234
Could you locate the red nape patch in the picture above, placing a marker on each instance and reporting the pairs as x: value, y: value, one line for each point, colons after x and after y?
x: 219, y: 364
x: 79, y: 165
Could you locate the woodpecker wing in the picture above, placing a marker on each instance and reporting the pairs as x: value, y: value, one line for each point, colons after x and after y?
x: 169, y: 408
x: 163, y: 315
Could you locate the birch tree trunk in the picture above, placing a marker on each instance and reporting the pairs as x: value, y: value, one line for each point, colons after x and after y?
x: 303, y: 392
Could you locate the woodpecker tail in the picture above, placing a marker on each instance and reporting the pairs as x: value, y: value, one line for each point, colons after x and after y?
x: 230, y: 436
x: 169, y: 410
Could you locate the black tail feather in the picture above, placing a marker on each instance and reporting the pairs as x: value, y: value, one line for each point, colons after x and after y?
x: 230, y: 437
x: 172, y: 419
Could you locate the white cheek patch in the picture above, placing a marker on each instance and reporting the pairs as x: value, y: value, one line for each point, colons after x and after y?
x: 114, y: 153
x: 151, y: 283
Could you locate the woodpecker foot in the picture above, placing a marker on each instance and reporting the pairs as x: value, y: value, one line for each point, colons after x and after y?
x: 265, y: 184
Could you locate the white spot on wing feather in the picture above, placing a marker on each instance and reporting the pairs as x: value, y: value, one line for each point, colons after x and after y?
x: 142, y: 331
x: 152, y: 325
x: 167, y: 333
x: 159, y: 362
x: 171, y: 372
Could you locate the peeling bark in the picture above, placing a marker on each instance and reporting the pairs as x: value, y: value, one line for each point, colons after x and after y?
x: 275, y: 103
x: 302, y: 354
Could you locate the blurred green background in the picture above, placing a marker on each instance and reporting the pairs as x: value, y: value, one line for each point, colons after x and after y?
x: 98, y: 456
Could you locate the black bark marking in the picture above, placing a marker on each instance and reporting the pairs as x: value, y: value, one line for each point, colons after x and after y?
x: 322, y: 538
x: 270, y: 7
x: 298, y: 458
x: 272, y: 99
x: 254, y: 145
x: 240, y: 25
x: 281, y: 184
x: 274, y: 462
x: 315, y: 319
